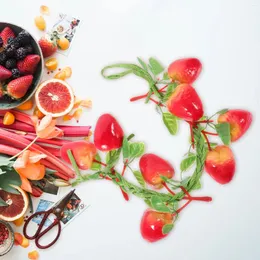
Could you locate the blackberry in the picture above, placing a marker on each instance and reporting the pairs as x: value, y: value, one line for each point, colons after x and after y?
x: 10, y: 64
x: 15, y: 73
x: 20, y: 53
x: 10, y: 40
x: 14, y: 44
x: 1, y: 42
x: 10, y: 51
x: 24, y: 37
x: 29, y: 49
x: 3, y: 58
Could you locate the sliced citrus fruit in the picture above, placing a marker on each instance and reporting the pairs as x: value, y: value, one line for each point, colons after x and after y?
x: 63, y: 43
x: 54, y: 97
x: 68, y: 71
x: 60, y: 75
x: 26, y: 105
x: 51, y: 64
x: 8, y: 118
x: 17, y: 204
x: 44, y: 9
x: 40, y: 23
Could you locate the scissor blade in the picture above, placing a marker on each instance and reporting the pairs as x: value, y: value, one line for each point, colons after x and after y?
x: 58, y: 209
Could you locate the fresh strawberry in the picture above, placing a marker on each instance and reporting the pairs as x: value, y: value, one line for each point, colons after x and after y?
x: 17, y: 88
x: 4, y: 73
x: 29, y: 64
x: 48, y: 46
x: 6, y: 34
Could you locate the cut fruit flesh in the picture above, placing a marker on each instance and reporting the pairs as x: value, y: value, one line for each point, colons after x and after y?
x: 54, y: 97
x: 17, y: 204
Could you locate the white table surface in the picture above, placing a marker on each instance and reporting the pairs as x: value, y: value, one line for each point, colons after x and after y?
x: 225, y: 35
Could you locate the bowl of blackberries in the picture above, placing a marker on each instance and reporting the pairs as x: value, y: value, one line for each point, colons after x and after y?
x: 21, y: 65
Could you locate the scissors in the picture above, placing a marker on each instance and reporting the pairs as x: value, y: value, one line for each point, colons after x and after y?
x: 57, y: 210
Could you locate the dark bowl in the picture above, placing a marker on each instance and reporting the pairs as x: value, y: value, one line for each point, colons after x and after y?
x: 9, y: 104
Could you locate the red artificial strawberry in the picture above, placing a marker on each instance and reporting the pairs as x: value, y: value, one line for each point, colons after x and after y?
x: 17, y: 88
x: 48, y: 46
x: 29, y: 64
x: 6, y: 34
x: 4, y: 73
x: 185, y: 103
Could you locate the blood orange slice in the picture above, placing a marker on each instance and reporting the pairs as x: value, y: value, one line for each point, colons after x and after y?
x: 54, y: 97
x: 17, y: 204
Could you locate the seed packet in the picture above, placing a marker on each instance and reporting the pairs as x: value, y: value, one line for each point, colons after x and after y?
x: 43, y: 205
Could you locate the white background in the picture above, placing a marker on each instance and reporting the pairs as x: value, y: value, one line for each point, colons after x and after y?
x: 225, y: 35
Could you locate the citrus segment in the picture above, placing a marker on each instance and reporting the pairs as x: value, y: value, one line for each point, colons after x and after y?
x: 54, y: 97
x: 51, y: 64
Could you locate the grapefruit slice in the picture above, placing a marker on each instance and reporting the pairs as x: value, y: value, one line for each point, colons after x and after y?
x: 54, y: 97
x: 17, y: 204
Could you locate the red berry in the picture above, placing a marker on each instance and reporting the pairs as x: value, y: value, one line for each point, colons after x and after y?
x: 185, y: 103
x: 108, y: 134
x: 29, y: 64
x: 6, y: 34
x: 239, y: 120
x: 48, y: 46
x: 152, y: 166
x: 4, y: 73
x: 152, y: 225
x: 185, y: 70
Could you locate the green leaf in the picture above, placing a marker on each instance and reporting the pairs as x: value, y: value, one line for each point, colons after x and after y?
x: 96, y: 166
x: 155, y: 66
x: 148, y: 203
x: 11, y: 177
x: 126, y: 148
x: 171, y: 123
x: 138, y: 175
x: 167, y: 228
x: 136, y: 150
x: 222, y: 111
x: 158, y: 204
x: 188, y: 162
x: 223, y: 130
x: 197, y: 186
x: 143, y: 64
x: 2, y: 203
x: 166, y: 76
x: 130, y: 137
x: 112, y: 157
x: 171, y: 87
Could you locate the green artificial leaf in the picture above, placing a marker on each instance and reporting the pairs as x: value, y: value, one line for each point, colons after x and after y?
x: 138, y: 175
x: 155, y: 66
x: 171, y: 123
x: 130, y: 137
x: 197, y: 186
x: 143, y: 64
x: 166, y: 76
x: 158, y: 204
x: 126, y: 148
x: 187, y: 162
x: 112, y: 157
x: 185, y: 181
x: 223, y: 130
x: 148, y: 203
x: 167, y: 228
x: 222, y: 111
x: 96, y: 166
x: 4, y: 161
x: 11, y: 177
x: 2, y: 203
x: 171, y: 87
x: 136, y: 150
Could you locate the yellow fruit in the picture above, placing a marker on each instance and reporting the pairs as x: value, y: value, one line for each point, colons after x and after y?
x: 40, y: 23
x: 51, y: 64
x: 8, y: 118
x: 19, y: 222
x: 60, y: 75
x: 26, y: 106
x: 68, y: 71
x: 44, y: 9
x: 63, y: 43
x: 38, y: 113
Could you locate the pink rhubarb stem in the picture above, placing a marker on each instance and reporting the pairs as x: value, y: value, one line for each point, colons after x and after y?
x: 54, y: 141
x: 17, y: 139
x: 19, y: 126
x: 8, y: 150
x: 52, y: 150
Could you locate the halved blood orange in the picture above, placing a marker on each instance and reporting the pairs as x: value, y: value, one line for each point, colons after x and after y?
x: 54, y: 97
x: 17, y: 204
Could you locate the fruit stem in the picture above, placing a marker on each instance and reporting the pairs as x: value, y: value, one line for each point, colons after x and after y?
x: 167, y: 188
x: 209, y: 133
x: 124, y: 168
x: 101, y: 163
x: 191, y: 133
x: 26, y: 148
x: 181, y: 208
x: 207, y: 140
x: 204, y: 121
x: 74, y: 164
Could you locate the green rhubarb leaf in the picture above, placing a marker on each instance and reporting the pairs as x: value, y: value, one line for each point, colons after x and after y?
x: 126, y: 148
x: 171, y: 123
x: 167, y: 228
x: 136, y: 149
x: 96, y: 166
x: 158, y: 204
x: 143, y: 64
x: 11, y: 177
x: 223, y: 130
x: 187, y: 162
x: 155, y: 66
x: 138, y: 175
x: 2, y: 203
